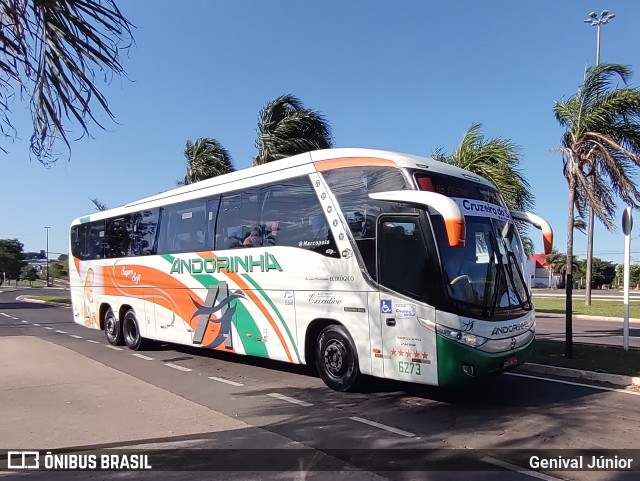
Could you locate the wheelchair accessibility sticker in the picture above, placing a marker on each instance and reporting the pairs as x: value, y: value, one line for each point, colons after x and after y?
x: 385, y: 306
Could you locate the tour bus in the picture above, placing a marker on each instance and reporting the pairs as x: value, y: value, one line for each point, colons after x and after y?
x: 362, y: 262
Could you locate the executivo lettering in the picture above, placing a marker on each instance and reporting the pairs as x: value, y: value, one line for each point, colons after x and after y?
x: 523, y: 326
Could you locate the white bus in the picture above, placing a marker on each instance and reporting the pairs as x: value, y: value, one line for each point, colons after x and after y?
x: 358, y: 261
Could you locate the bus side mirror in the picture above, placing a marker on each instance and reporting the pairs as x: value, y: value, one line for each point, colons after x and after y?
x: 540, y: 223
x: 447, y: 208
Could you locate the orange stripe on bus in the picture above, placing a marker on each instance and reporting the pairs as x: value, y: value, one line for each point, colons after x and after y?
x: 256, y: 300
x: 330, y: 164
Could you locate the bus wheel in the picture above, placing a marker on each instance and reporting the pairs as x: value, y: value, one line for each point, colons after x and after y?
x: 112, y: 328
x: 336, y: 358
x: 131, y: 331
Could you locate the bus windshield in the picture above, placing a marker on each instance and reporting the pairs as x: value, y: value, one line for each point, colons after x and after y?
x: 486, y: 275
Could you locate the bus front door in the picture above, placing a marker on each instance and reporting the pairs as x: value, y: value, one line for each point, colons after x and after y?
x: 408, y: 343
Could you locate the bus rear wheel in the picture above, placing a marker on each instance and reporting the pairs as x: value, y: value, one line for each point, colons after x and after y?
x: 336, y: 358
x: 131, y: 331
x: 112, y: 328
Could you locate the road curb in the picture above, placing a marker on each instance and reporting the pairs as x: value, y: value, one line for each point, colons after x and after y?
x: 39, y: 301
x: 615, y: 379
x: 583, y: 317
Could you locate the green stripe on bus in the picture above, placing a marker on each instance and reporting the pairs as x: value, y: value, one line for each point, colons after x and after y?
x: 84, y: 220
x: 275, y: 309
x: 244, y: 323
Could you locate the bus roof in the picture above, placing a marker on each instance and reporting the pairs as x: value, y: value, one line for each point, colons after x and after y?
x: 309, y: 162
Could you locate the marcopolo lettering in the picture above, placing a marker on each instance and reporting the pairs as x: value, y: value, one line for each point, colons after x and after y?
x: 214, y: 265
x: 512, y: 328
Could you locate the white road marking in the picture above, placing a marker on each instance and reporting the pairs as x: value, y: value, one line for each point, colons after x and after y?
x: 5, y: 315
x: 26, y: 322
x: 226, y: 381
x: 115, y: 348
x: 14, y: 318
x: 175, y: 366
x: 92, y: 341
x: 289, y: 399
x: 37, y: 325
x: 142, y: 356
x: 50, y: 328
x: 383, y: 426
x: 513, y: 467
x: 60, y: 332
x: 74, y: 336
x: 602, y: 388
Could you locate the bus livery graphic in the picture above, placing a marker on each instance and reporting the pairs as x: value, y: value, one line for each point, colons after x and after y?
x: 207, y: 311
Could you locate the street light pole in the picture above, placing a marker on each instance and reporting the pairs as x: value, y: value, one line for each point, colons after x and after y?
x: 595, y: 21
x: 47, y: 227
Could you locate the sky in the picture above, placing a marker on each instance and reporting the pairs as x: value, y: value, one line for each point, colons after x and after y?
x: 405, y: 76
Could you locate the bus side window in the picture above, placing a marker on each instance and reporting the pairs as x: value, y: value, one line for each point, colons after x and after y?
x: 237, y: 224
x: 292, y: 216
x: 144, y: 232
x: 96, y: 240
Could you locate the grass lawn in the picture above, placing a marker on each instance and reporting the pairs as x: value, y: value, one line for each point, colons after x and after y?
x: 613, y: 360
x: 60, y: 299
x: 597, y: 308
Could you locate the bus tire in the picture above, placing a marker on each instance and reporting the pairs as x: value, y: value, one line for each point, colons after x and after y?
x: 131, y: 331
x: 336, y: 358
x: 112, y: 328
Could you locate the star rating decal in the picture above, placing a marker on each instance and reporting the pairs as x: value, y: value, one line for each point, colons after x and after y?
x: 408, y: 353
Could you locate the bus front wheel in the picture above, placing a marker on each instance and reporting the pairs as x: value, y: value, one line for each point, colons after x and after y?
x: 131, y: 331
x: 336, y: 358
x: 112, y: 328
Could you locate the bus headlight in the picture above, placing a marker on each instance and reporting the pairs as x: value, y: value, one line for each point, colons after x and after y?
x: 462, y: 337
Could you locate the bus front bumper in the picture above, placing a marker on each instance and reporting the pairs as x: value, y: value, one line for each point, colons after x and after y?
x: 459, y: 364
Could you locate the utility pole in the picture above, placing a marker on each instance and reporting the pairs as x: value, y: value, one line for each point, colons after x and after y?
x: 48, y: 282
x: 595, y: 21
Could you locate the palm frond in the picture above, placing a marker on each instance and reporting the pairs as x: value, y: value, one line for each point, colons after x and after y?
x: 286, y: 128
x: 205, y: 158
x: 54, y: 51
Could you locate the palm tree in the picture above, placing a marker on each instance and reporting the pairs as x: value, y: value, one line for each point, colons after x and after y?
x: 206, y: 158
x: 558, y: 262
x: 286, y: 127
x: 100, y: 206
x: 53, y: 51
x: 600, y: 147
x: 495, y: 159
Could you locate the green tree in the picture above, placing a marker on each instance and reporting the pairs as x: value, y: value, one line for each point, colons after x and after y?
x: 53, y: 51
x: 206, y: 158
x: 30, y: 274
x: 558, y: 261
x: 286, y: 128
x: 11, y: 259
x: 58, y: 270
x: 601, y: 147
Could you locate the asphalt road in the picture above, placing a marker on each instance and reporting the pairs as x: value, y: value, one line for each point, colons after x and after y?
x: 509, y: 411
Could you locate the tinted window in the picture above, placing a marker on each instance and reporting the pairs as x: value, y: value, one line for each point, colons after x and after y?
x: 184, y: 227
x: 403, y: 258
x: 238, y: 221
x: 292, y: 216
x: 79, y: 241
x: 144, y: 232
x: 351, y: 186
x: 95, y: 240
x: 118, y: 240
